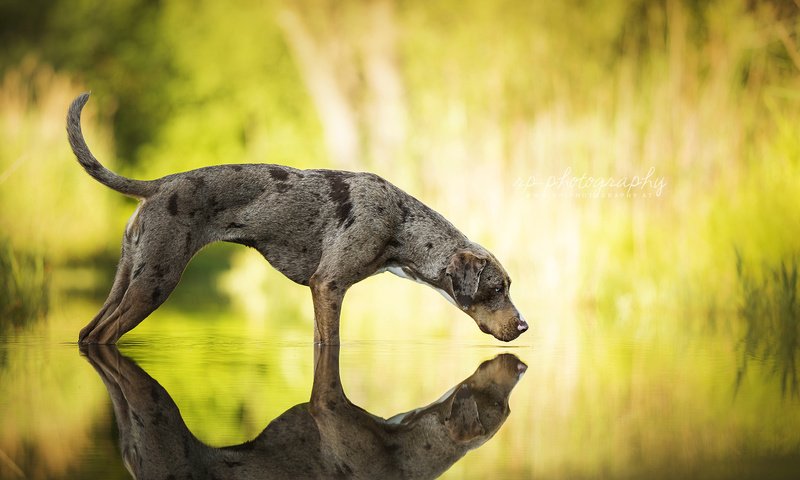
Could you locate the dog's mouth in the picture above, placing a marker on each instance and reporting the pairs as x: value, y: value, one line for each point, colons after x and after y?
x: 511, y: 331
x: 507, y: 337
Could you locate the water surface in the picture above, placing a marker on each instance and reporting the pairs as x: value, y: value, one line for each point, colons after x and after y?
x: 598, y: 399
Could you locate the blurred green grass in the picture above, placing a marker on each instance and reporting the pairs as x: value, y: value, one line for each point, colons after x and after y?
x: 483, y: 97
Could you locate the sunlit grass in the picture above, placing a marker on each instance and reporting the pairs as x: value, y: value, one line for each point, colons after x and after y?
x: 24, y: 287
x: 48, y: 205
x: 725, y: 149
x: 771, y: 312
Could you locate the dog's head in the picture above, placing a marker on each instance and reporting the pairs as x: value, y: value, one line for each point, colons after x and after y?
x: 479, y: 405
x: 480, y: 287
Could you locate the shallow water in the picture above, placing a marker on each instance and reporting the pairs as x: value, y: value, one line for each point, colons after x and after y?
x: 598, y: 399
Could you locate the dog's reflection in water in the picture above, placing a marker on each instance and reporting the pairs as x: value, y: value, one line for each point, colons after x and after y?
x: 328, y: 437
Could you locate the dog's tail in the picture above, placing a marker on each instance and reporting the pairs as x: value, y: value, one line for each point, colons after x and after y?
x: 133, y: 188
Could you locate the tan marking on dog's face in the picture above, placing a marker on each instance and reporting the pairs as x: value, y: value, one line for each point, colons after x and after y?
x: 502, y: 371
x: 501, y: 324
x: 488, y: 389
x: 492, y: 308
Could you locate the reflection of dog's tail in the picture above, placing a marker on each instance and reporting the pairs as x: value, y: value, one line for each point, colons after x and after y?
x: 133, y: 188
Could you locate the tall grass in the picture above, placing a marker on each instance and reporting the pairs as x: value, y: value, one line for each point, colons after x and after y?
x: 24, y: 287
x: 771, y: 312
x: 702, y: 96
x: 48, y: 205
x: 51, y: 213
x: 500, y: 99
x: 499, y: 102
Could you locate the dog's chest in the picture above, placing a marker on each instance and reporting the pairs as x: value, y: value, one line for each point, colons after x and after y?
x: 405, y: 272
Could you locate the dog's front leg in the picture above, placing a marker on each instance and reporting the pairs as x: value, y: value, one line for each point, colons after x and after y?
x: 327, y: 296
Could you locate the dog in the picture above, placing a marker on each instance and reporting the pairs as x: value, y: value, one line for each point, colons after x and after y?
x: 327, y: 437
x: 326, y: 229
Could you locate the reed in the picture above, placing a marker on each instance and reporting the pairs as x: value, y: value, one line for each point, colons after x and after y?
x: 771, y: 314
x: 24, y: 287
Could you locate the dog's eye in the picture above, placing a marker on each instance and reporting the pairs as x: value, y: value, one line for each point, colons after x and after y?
x: 498, y: 289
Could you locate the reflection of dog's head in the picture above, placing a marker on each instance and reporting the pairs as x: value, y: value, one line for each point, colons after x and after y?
x: 480, y: 286
x: 479, y: 405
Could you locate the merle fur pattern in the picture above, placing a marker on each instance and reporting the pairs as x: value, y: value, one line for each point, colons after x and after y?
x: 326, y: 229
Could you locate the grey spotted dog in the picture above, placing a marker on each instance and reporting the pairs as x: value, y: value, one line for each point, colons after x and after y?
x: 326, y: 229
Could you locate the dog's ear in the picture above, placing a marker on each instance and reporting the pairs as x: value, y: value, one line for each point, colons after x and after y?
x: 464, y: 272
x: 463, y: 422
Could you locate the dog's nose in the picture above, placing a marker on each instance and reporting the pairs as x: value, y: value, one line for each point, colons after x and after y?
x: 522, y: 325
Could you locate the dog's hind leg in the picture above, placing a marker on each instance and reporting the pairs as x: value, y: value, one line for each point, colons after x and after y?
x: 137, y: 303
x: 158, y: 261
x: 121, y: 282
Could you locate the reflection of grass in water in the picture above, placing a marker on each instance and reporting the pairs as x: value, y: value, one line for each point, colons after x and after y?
x: 51, y: 398
x: 23, y: 287
x: 772, y: 316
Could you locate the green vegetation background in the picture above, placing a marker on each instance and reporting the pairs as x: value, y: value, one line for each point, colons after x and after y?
x: 472, y: 106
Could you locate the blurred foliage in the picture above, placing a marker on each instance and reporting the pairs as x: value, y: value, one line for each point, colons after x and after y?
x: 46, y: 205
x: 452, y: 104
x: 111, y: 46
x: 235, y: 96
x: 771, y: 311
x: 24, y: 287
